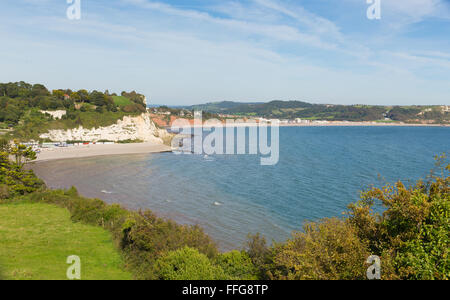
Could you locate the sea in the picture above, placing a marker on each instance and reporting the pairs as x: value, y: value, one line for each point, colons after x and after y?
x: 321, y: 170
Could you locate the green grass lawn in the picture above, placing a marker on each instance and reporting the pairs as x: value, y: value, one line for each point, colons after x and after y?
x: 121, y: 101
x: 36, y: 239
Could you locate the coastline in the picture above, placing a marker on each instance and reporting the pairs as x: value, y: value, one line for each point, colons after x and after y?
x: 310, y: 124
x: 175, y: 197
x: 363, y: 124
x: 99, y: 150
x: 93, y: 150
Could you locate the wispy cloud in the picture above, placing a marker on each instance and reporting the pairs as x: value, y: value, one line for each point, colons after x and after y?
x: 231, y: 49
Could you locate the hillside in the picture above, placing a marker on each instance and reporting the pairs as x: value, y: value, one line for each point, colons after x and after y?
x: 30, y: 231
x: 29, y: 110
x: 219, y: 107
x: 298, y: 109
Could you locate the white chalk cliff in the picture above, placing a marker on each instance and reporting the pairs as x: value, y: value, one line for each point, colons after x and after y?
x: 130, y: 128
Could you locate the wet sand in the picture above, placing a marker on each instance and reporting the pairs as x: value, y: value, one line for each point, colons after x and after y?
x: 99, y: 150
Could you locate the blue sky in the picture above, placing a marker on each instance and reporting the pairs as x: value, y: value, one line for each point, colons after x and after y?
x: 188, y: 52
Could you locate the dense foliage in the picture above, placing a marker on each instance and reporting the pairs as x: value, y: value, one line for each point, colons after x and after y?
x: 14, y: 180
x: 187, y: 264
x: 413, y: 232
x: 411, y: 235
x: 328, y: 250
x: 22, y: 106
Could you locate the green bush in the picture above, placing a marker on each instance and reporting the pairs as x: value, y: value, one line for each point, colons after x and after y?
x: 237, y: 265
x: 187, y: 264
x: 261, y: 255
x: 147, y: 237
x: 141, y: 236
x: 18, y: 181
x: 129, y: 141
x: 413, y: 229
x: 329, y: 250
x: 411, y: 236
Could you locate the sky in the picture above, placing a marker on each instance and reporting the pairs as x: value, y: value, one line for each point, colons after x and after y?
x: 181, y: 52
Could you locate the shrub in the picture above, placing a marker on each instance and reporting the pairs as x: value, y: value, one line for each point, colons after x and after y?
x: 329, y: 250
x: 261, y: 255
x: 187, y: 264
x: 411, y: 236
x: 18, y: 181
x: 413, y: 229
x: 237, y: 265
x: 147, y: 237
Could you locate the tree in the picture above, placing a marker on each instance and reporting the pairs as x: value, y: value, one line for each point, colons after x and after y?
x: 237, y: 265
x: 187, y: 264
x: 58, y: 94
x: 12, y: 90
x: 14, y: 180
x: 22, y: 154
x: 414, y: 228
x: 84, y: 95
x: 75, y: 96
x: 329, y: 250
x: 100, y: 99
x: 260, y: 254
x: 39, y: 90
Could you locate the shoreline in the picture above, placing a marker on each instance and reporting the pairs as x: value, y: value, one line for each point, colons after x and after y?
x: 93, y: 150
x: 312, y: 124
x: 84, y: 151
x: 363, y: 124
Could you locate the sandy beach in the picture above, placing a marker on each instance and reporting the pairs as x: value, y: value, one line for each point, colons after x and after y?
x: 47, y: 154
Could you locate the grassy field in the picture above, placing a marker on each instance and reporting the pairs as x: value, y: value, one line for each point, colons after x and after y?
x: 121, y: 101
x: 36, y: 239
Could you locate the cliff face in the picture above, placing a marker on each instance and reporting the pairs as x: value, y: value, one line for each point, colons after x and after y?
x: 130, y: 128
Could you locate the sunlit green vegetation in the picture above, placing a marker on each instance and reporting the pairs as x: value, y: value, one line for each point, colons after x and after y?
x: 411, y: 235
x: 21, y: 105
x: 36, y: 240
x: 33, y: 123
x: 307, y: 111
x: 121, y: 100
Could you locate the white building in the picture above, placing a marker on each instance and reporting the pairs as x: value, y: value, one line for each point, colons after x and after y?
x: 56, y: 114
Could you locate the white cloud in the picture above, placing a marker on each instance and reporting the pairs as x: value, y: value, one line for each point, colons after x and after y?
x: 314, y: 22
x: 417, y: 10
x: 267, y: 50
x: 425, y: 60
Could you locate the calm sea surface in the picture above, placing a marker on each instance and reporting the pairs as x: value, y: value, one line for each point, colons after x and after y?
x: 321, y: 170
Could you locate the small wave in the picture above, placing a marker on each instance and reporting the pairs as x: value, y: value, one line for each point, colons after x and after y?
x: 218, y: 204
x: 208, y: 158
x: 106, y: 192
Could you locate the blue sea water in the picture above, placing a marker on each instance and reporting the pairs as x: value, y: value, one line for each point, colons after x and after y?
x: 320, y: 172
